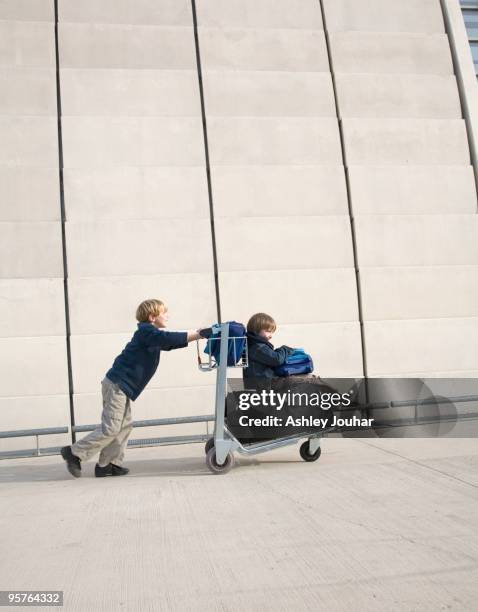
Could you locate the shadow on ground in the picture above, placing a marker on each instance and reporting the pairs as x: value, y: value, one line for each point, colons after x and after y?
x: 40, y: 471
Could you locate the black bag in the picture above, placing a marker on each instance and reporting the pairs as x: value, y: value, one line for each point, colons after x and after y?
x: 274, y: 424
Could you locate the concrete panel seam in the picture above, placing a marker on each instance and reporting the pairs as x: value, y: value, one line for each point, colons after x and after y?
x: 63, y: 220
x: 409, y: 319
x: 206, y: 151
x: 195, y: 387
x: 26, y: 21
x: 20, y: 397
x: 257, y: 28
x: 424, y: 267
x: 348, y: 189
x: 300, y: 215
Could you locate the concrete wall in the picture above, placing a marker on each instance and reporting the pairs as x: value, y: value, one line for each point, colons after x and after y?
x: 136, y: 197
x: 278, y: 183
x: 412, y: 186
x: 33, y: 364
x: 136, y: 194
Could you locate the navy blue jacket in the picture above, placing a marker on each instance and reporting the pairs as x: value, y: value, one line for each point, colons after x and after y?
x: 263, y: 358
x: 134, y: 368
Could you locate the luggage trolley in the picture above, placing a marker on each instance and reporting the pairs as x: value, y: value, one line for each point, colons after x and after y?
x: 220, y: 448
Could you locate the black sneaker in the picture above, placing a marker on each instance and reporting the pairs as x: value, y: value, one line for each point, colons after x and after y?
x: 73, y: 463
x: 110, y: 470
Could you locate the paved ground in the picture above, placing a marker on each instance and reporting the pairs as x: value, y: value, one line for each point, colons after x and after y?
x: 373, y: 525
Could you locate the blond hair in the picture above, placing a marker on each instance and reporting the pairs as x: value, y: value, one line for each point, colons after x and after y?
x: 261, y: 321
x: 149, y: 307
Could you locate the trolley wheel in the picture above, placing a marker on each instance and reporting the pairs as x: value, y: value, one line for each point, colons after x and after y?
x: 209, y: 444
x: 215, y: 467
x: 306, y: 456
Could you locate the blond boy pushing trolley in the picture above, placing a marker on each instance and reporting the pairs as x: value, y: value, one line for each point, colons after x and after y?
x: 126, y: 379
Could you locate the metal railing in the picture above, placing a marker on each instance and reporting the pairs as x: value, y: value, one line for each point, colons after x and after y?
x: 36, y: 433
x: 209, y: 418
x: 138, y: 443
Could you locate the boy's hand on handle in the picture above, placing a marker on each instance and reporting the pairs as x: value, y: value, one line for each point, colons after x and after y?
x: 193, y: 335
x: 197, y: 334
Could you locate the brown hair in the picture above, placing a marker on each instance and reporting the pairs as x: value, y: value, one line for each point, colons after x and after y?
x: 261, y: 321
x: 149, y: 307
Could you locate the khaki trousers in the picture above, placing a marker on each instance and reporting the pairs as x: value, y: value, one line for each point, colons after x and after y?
x: 111, y: 436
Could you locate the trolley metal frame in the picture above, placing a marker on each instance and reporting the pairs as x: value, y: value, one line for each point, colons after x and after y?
x: 223, y: 444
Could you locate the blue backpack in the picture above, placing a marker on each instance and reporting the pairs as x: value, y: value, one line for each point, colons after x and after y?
x: 298, y: 362
x: 235, y: 347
